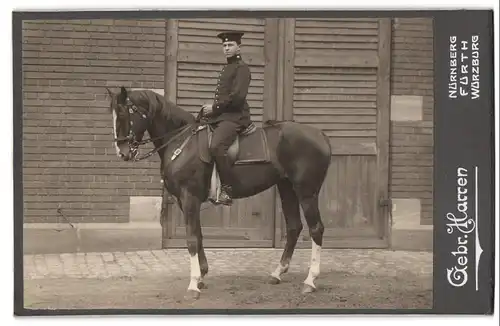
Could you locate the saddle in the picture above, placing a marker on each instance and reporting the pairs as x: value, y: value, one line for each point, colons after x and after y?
x: 249, y: 147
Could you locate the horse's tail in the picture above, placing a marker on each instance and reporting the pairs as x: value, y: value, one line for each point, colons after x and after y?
x: 329, y: 152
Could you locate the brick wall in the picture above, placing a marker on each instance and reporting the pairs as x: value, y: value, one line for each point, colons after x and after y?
x: 69, y: 161
x: 412, y: 112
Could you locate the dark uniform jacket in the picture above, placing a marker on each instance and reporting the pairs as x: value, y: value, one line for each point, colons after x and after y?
x: 230, y: 102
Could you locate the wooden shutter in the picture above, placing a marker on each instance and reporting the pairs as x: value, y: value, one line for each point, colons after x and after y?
x: 335, y: 84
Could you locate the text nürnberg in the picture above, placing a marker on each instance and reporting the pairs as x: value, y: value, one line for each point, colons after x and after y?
x: 464, y: 68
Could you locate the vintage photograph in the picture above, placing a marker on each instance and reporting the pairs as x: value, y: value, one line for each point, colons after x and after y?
x: 228, y: 163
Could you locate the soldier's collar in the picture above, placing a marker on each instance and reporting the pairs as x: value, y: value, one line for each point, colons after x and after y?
x: 234, y: 58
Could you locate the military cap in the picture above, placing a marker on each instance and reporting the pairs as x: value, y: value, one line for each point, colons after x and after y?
x: 231, y: 36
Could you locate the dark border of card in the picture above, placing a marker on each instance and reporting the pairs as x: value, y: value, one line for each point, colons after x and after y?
x: 464, y: 236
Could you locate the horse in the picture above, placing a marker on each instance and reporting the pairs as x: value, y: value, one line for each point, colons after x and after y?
x: 293, y: 156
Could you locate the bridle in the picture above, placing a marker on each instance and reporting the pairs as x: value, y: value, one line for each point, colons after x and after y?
x: 133, y: 143
x: 131, y: 137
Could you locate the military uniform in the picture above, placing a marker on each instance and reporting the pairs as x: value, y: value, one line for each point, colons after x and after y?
x: 230, y: 112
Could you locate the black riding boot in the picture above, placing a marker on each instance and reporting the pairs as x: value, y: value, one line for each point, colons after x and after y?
x: 227, y: 180
x: 225, y: 196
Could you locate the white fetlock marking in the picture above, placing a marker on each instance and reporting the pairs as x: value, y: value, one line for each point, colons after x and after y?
x: 315, y: 265
x: 195, y: 273
x: 114, y: 133
x: 278, y: 271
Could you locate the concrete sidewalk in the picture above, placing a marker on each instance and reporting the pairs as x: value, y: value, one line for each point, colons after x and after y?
x: 175, y: 262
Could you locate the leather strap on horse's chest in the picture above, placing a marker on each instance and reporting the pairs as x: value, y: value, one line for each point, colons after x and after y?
x: 178, y: 151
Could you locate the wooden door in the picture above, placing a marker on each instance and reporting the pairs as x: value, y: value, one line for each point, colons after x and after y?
x: 336, y: 78
x: 194, y: 60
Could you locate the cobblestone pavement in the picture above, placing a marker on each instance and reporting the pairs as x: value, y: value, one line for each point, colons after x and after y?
x: 175, y: 262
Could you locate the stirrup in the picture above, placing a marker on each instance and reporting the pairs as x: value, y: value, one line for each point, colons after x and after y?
x: 224, y: 198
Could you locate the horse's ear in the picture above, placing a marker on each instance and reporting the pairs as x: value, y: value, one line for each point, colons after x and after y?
x: 123, y: 91
x: 123, y: 95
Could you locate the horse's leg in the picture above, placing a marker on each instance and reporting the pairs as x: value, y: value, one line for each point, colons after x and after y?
x: 164, y: 207
x: 310, y: 206
x: 201, y: 251
x: 191, y: 210
x: 202, y: 258
x: 291, y: 211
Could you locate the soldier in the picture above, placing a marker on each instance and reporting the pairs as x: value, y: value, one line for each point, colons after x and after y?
x: 229, y: 112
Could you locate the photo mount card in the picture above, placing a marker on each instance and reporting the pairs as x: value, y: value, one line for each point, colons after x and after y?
x: 395, y: 107
x: 464, y: 164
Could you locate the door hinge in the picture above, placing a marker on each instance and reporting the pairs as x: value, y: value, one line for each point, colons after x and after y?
x: 384, y: 202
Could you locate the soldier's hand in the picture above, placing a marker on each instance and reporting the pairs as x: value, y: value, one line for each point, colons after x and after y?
x: 207, y: 108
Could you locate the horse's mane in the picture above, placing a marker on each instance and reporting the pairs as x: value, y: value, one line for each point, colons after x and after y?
x: 162, y: 108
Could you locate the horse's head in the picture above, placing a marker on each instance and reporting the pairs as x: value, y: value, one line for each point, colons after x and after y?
x: 130, y: 121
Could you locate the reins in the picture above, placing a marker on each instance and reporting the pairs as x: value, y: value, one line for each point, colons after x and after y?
x: 178, y: 132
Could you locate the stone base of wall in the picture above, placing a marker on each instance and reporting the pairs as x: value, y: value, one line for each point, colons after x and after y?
x: 407, y: 232
x: 39, y: 239
x: 44, y: 238
x: 412, y: 240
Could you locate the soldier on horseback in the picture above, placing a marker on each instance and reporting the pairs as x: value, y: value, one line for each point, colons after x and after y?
x: 229, y: 113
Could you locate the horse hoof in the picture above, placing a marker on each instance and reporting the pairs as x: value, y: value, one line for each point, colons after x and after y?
x: 308, y: 289
x: 202, y: 285
x: 192, y: 295
x: 273, y: 280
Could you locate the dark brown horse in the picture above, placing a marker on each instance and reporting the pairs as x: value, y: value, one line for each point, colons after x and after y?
x: 293, y: 156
